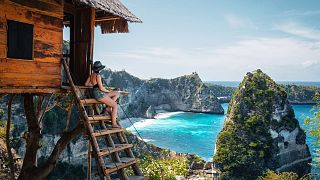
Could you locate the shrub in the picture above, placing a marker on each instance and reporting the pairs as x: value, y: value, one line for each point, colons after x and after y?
x: 170, y: 168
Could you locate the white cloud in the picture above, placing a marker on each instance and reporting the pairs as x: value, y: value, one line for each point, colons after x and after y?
x: 239, y: 22
x: 301, y: 13
x: 299, y: 30
x: 281, y: 58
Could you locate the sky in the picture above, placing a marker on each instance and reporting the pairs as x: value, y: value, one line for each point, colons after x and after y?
x: 220, y: 40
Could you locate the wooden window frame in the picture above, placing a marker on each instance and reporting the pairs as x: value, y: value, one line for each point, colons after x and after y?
x: 33, y: 38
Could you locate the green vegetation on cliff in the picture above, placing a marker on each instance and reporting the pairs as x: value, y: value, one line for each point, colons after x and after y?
x: 271, y: 175
x: 314, y: 128
x: 168, y: 168
x: 244, y: 147
x: 301, y: 94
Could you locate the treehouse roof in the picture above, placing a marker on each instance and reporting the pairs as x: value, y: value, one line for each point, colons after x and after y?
x: 111, y: 15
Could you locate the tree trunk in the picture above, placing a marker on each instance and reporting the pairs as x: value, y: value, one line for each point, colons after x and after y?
x: 32, y: 137
x: 29, y: 170
x: 10, y: 156
x: 66, y: 137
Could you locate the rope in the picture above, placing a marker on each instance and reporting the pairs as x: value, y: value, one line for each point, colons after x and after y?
x: 100, y: 130
x: 92, y: 118
x: 162, y: 169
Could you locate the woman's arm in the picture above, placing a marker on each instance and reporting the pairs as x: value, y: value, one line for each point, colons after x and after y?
x: 101, y: 87
x: 88, y: 82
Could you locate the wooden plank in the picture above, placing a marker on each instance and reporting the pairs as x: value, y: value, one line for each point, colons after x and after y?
x: 29, y: 73
x: 30, y: 67
x: 3, y: 51
x: 31, y: 83
x: 97, y: 118
x: 55, y: 2
x: 47, y: 35
x: 34, y: 76
x: 22, y: 14
x: 117, y: 148
x: 69, y: 8
x: 48, y: 60
x: 46, y: 52
x: 84, y: 116
x: 51, y: 48
x: 18, y: 90
x: 84, y: 31
x: 40, y: 6
x: 3, y: 24
x: 119, y: 166
x: 3, y: 38
x: 107, y: 132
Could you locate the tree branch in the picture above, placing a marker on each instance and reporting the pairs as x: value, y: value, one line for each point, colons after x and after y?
x: 66, y: 137
x: 10, y: 156
x: 68, y: 117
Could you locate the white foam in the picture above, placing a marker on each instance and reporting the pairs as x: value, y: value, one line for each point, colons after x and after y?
x: 148, y: 140
x: 143, y: 123
x: 166, y: 115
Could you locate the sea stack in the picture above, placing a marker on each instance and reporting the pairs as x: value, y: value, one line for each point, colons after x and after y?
x: 260, y: 132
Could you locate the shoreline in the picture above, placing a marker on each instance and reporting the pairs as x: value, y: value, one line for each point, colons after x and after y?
x: 141, y: 122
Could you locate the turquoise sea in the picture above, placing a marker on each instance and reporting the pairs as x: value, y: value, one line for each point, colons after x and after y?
x: 196, y: 132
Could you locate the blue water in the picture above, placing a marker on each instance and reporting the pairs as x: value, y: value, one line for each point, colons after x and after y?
x: 196, y: 132
x: 236, y: 83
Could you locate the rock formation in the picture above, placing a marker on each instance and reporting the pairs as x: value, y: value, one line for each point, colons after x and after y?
x: 148, y: 97
x: 260, y: 132
x: 186, y: 93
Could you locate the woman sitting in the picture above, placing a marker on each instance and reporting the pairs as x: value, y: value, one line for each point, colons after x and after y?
x: 101, y: 94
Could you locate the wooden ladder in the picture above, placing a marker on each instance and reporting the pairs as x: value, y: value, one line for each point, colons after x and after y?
x: 110, y: 157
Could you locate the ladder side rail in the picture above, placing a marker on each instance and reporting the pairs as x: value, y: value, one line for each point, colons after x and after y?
x: 114, y: 156
x: 84, y: 116
x: 123, y: 140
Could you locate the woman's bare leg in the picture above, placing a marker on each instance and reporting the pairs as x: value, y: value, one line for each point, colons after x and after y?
x: 109, y: 102
x: 114, y: 95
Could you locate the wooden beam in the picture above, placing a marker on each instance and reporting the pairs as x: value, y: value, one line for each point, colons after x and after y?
x: 106, y: 18
x: 20, y: 90
x: 80, y: 66
x: 69, y: 8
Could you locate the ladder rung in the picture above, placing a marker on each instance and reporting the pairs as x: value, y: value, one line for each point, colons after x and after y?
x: 113, y: 167
x: 98, y: 118
x: 108, y: 131
x: 90, y: 101
x: 117, y: 148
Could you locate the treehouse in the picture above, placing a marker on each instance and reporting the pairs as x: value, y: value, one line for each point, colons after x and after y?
x: 33, y: 62
x: 31, y: 40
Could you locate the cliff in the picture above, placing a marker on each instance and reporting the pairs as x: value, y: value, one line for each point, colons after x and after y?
x: 148, y: 97
x: 297, y: 94
x: 301, y: 94
x: 186, y: 93
x: 260, y: 132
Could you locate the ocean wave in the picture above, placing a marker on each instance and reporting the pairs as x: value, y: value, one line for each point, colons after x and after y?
x: 143, y: 123
x: 166, y: 115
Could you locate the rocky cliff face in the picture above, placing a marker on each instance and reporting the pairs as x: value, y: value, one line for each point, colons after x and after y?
x: 260, y: 132
x: 147, y: 97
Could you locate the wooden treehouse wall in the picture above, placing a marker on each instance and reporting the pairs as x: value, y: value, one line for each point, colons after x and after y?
x: 44, y: 70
